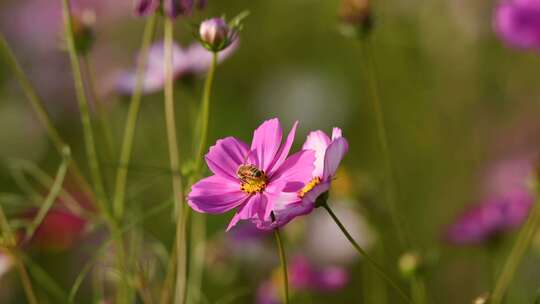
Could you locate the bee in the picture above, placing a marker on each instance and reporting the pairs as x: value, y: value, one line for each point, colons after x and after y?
x: 249, y: 173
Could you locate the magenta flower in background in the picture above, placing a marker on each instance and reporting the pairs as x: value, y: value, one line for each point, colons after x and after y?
x: 506, y: 206
x: 59, y: 230
x: 259, y: 180
x: 303, y: 276
x: 193, y: 60
x: 146, y: 7
x: 518, y: 23
x: 172, y: 8
x: 488, y: 220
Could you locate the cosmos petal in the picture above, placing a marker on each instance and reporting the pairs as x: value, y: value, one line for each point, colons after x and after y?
x: 334, y: 154
x: 317, y: 141
x: 226, y: 156
x: 296, y: 171
x: 284, y: 149
x: 266, y: 143
x: 215, y: 194
x: 252, y: 209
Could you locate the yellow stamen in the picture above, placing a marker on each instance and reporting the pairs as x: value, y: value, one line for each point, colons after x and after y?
x: 314, y: 182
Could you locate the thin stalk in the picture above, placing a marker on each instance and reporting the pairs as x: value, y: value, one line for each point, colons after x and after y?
x: 98, y: 104
x: 131, y: 121
x: 199, y: 221
x: 283, y: 261
x: 46, y: 181
x: 51, y: 197
x: 516, y: 254
x: 174, y: 157
x: 166, y: 291
x: 26, y: 282
x: 198, y: 253
x: 5, y: 229
x: 363, y: 253
x: 382, y: 137
x: 93, y: 162
x: 39, y: 109
x: 205, y: 111
x: 83, y: 107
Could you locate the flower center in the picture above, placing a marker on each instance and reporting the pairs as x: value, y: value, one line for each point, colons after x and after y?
x: 253, y: 179
x: 314, y: 182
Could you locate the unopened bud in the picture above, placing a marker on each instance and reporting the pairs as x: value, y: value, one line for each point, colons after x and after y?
x: 356, y: 17
x: 410, y: 264
x: 215, y: 34
x: 83, y: 30
x: 483, y: 299
x: 146, y: 7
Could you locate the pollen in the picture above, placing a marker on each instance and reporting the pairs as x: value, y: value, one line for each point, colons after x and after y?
x: 314, y: 182
x: 253, y: 185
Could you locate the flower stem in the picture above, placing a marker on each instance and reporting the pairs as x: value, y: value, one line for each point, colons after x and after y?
x: 382, y: 136
x: 95, y: 171
x: 98, y: 104
x: 131, y: 121
x: 361, y: 251
x: 205, y: 111
x: 52, y: 196
x: 41, y: 112
x: 85, y: 113
x: 283, y: 261
x: 26, y: 282
x: 516, y: 254
x: 181, y: 219
x: 198, y: 232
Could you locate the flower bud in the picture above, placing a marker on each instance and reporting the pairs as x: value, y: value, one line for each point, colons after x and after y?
x: 356, y: 17
x: 175, y: 8
x: 146, y: 7
x: 83, y: 30
x: 410, y: 264
x: 483, y: 299
x: 215, y: 34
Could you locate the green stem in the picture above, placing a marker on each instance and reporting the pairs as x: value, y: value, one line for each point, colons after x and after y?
x: 98, y: 104
x: 123, y: 294
x: 516, y: 254
x: 26, y: 282
x: 283, y: 261
x: 131, y: 121
x: 52, y: 196
x: 83, y: 107
x: 5, y: 229
x: 361, y: 251
x: 382, y: 136
x: 199, y: 220
x: 181, y: 219
x: 39, y: 109
x: 205, y: 111
x: 47, y: 182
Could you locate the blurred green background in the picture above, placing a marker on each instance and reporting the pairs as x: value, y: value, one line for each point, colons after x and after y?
x: 455, y: 100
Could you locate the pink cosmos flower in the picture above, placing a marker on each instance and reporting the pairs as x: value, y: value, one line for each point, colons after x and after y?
x: 328, y: 156
x: 518, y: 23
x: 259, y: 180
x: 194, y: 59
